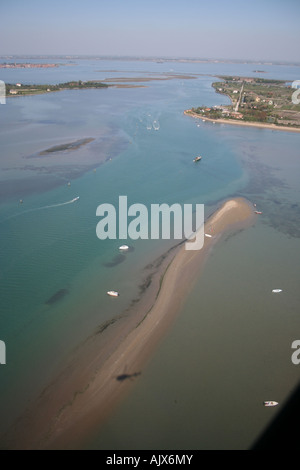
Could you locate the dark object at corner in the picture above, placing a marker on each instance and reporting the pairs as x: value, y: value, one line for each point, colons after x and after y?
x: 284, y: 432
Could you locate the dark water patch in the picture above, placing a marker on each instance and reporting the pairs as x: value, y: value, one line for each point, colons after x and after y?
x: 115, y: 261
x: 46, y: 173
x: 146, y: 283
x: 158, y: 262
x: 57, y: 297
x: 20, y: 188
x: 270, y: 193
x: 283, y: 217
x: 262, y: 178
x: 104, y: 326
x: 67, y: 147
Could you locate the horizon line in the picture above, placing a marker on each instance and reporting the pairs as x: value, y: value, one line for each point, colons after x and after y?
x: 154, y: 57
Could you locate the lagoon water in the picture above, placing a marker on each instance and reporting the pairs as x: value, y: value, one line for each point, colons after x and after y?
x: 230, y: 347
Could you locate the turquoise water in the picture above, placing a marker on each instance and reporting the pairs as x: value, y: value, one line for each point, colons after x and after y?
x: 53, y: 251
x: 228, y: 350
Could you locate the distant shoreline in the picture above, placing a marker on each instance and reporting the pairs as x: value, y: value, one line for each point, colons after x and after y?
x: 233, y: 122
x: 14, y: 90
x: 159, y: 59
x: 29, y: 66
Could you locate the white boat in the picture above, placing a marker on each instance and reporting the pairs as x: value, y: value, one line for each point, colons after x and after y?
x: 208, y: 235
x: 113, y: 293
x: 124, y: 248
x: 276, y: 291
x: 197, y: 159
x: 76, y: 199
x: 270, y: 404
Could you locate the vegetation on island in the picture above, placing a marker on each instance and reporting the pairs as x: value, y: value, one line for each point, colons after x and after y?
x: 23, y: 89
x: 255, y: 100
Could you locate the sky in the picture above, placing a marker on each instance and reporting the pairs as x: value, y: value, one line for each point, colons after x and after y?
x: 223, y: 29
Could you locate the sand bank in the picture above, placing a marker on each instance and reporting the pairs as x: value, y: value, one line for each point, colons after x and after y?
x: 234, y: 122
x: 85, y: 392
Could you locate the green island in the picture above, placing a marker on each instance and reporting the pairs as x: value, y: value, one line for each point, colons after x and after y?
x: 23, y: 89
x: 254, y: 101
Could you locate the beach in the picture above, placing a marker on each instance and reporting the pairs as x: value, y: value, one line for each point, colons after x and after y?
x: 234, y: 122
x: 99, y: 372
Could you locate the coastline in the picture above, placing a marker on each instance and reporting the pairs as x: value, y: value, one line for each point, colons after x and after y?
x: 233, y: 122
x: 85, y: 392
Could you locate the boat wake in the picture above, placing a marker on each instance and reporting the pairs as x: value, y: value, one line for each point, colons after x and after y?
x: 52, y: 206
x: 55, y: 205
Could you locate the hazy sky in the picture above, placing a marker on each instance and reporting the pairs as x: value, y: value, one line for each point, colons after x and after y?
x: 237, y: 29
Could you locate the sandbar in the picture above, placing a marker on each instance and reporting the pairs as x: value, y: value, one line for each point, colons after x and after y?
x: 86, y: 391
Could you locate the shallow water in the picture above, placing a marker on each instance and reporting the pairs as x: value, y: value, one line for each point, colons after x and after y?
x: 49, y: 248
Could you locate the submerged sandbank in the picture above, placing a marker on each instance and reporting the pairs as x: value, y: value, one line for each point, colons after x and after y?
x: 88, y: 388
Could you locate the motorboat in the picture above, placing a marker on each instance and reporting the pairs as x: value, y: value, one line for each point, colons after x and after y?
x: 197, y: 159
x: 124, y: 248
x: 276, y: 291
x: 270, y: 404
x: 156, y: 126
x: 113, y: 293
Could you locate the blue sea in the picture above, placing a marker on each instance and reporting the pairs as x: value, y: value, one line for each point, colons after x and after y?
x: 230, y: 347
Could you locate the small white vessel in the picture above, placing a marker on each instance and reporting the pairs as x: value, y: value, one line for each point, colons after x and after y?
x: 208, y: 235
x: 124, y: 248
x: 197, y: 159
x: 76, y: 199
x: 276, y: 291
x: 270, y: 404
x: 113, y: 293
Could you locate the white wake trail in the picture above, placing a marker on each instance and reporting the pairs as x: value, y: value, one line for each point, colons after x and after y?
x: 52, y: 206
